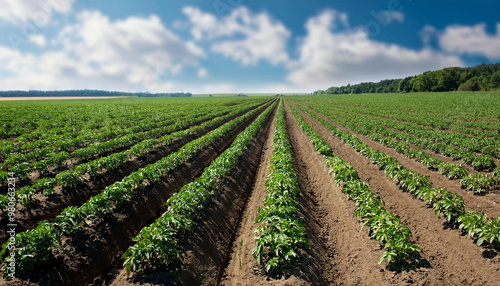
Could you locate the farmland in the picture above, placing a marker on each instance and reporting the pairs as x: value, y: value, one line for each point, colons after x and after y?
x: 368, y: 189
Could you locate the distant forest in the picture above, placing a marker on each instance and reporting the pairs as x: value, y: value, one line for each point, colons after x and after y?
x: 86, y: 92
x: 477, y: 78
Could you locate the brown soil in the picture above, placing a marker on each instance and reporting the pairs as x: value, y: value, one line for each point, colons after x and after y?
x: 48, y: 207
x: 424, y: 125
x: 341, y: 253
x: 97, y: 250
x: 489, y: 203
x: 242, y: 265
x: 453, y: 259
x: 206, y: 259
x: 218, y: 251
x: 242, y: 268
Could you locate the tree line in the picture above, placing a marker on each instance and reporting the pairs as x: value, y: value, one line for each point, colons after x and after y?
x: 478, y: 78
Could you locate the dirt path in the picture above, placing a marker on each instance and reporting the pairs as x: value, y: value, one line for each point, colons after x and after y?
x: 341, y: 253
x: 489, y: 203
x: 49, y: 207
x: 208, y: 248
x: 242, y: 266
x: 453, y: 259
x: 97, y: 250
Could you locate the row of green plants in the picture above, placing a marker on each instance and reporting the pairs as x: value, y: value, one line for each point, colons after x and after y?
x: 23, y: 164
x: 22, y: 150
x: 72, y: 178
x: 157, y: 245
x: 454, y: 145
x: 25, y: 121
x: 36, y: 247
x: 280, y: 237
x: 27, y: 147
x: 477, y: 182
x: 451, y: 205
x: 383, y: 225
x: 448, y: 112
x: 441, y: 141
x: 34, y: 121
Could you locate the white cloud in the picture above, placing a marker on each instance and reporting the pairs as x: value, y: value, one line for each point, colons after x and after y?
x: 96, y: 52
x: 38, y: 39
x: 386, y: 17
x: 126, y: 47
x: 202, y: 73
x: 332, y: 55
x: 218, y: 87
x: 471, y: 40
x: 221, y: 87
x: 36, y: 11
x: 398, y: 16
x: 242, y: 35
x: 427, y: 34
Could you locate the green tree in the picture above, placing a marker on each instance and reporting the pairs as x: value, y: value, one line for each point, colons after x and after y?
x: 495, y: 79
x: 472, y: 84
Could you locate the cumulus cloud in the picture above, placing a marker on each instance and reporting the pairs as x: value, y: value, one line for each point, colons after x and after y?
x: 427, y: 34
x: 38, y: 39
x: 96, y: 52
x: 202, y: 73
x: 126, y: 47
x: 471, y: 40
x: 397, y: 16
x: 332, y: 54
x: 243, y: 36
x: 39, y: 12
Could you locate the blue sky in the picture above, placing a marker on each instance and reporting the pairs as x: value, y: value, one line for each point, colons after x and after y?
x: 213, y: 46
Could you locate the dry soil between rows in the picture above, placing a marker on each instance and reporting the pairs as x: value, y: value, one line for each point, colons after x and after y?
x: 489, y: 203
x: 453, y: 259
x: 207, y: 249
x: 341, y: 253
x: 49, y: 207
x: 93, y: 254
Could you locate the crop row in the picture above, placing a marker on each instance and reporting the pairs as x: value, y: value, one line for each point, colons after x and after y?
x: 280, y: 237
x: 383, y: 225
x: 35, y: 120
x: 476, y: 182
x: 71, y: 178
x: 432, y: 139
x: 52, y: 158
x: 451, y: 205
x: 25, y: 149
x: 459, y: 120
x: 158, y: 244
x: 23, y: 168
x: 36, y: 248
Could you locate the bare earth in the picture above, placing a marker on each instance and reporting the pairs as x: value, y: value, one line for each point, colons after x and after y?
x: 219, y: 250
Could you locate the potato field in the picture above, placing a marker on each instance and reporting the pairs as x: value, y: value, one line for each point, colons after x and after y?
x: 385, y: 189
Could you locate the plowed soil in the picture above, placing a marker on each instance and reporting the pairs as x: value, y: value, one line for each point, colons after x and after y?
x: 489, y: 203
x: 208, y: 248
x: 47, y: 208
x: 453, y: 259
x: 91, y: 256
x: 219, y: 249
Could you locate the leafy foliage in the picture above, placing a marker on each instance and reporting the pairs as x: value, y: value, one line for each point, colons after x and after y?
x: 157, y: 245
x: 480, y: 77
x: 113, y: 198
x: 280, y: 237
x: 383, y: 226
x: 479, y: 183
